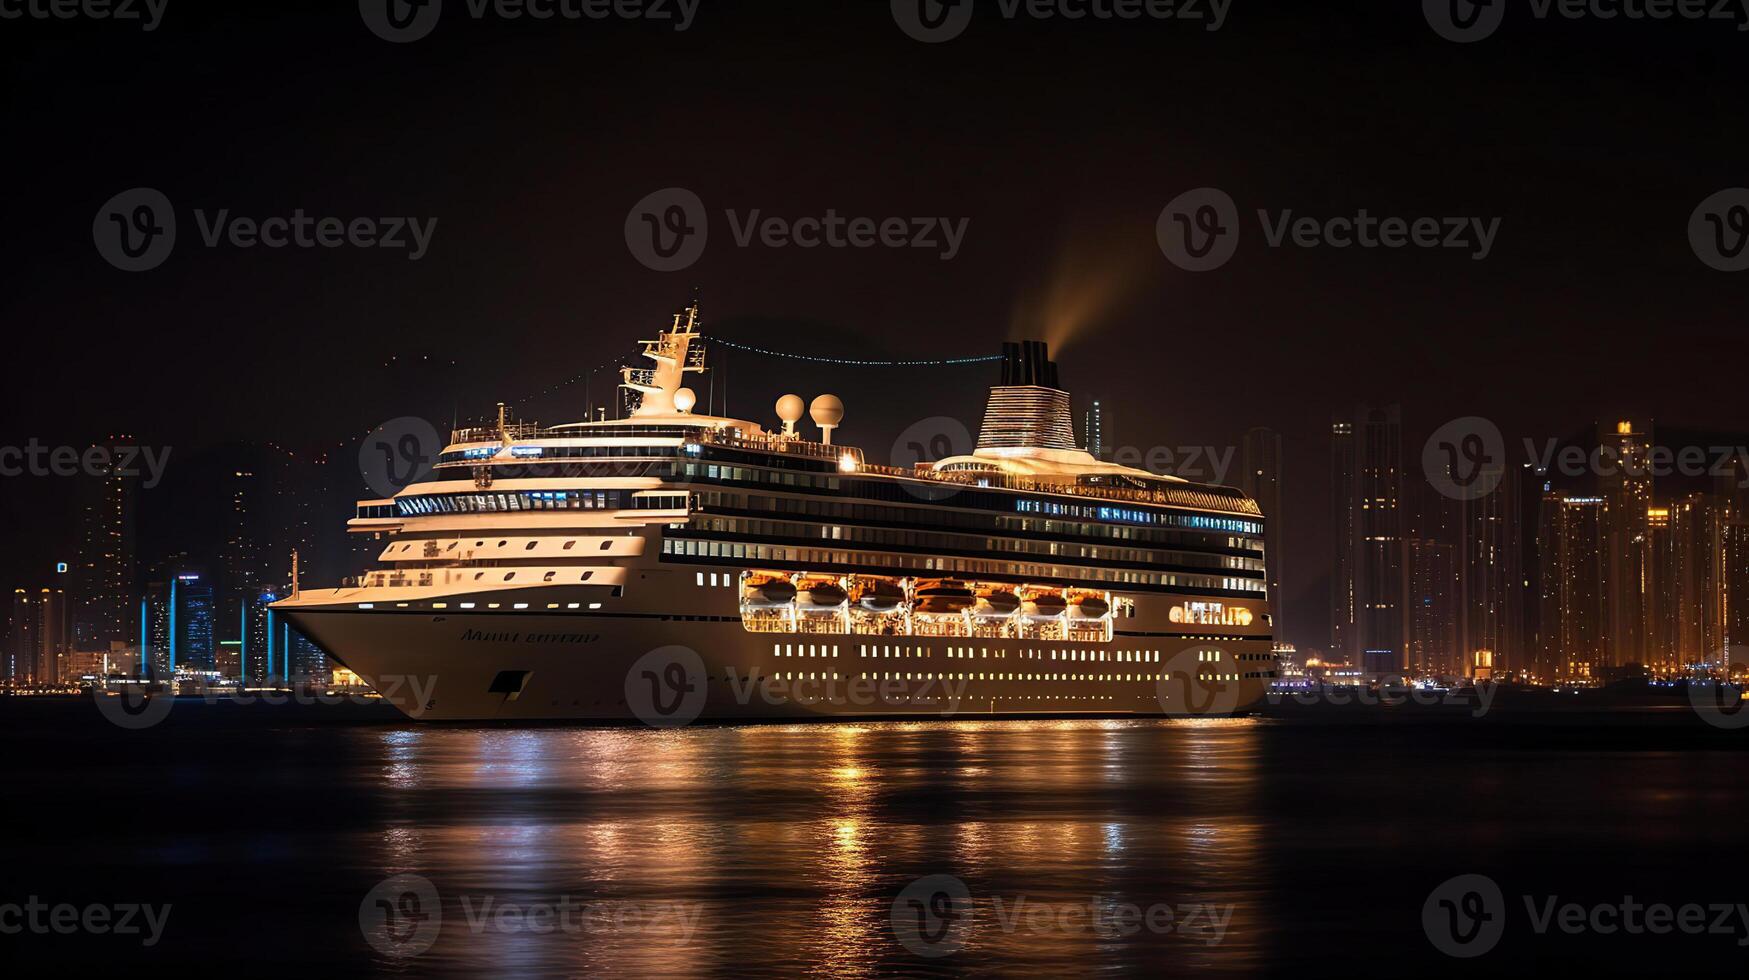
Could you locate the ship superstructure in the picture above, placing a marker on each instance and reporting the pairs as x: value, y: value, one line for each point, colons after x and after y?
x: 672, y: 565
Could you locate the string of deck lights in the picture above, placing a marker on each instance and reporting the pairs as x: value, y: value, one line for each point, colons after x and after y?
x: 854, y: 362
x: 748, y: 348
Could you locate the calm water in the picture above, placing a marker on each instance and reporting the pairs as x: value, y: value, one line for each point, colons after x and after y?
x: 1313, y: 838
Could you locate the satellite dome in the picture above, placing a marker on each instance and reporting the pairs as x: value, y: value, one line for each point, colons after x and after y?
x: 789, y: 408
x: 684, y: 399
x: 826, y: 411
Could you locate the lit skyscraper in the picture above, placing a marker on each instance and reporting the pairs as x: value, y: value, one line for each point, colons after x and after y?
x: 1572, y: 542
x: 1626, y: 485
x: 1367, y: 518
x: 103, y: 598
x: 39, y: 637
x: 1431, y: 609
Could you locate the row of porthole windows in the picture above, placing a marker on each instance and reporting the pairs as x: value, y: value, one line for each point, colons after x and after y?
x: 530, y: 546
x: 833, y: 675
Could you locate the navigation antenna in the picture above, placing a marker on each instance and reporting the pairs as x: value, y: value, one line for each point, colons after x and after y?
x: 674, y: 355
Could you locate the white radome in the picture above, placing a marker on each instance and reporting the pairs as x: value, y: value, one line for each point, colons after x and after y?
x: 826, y: 411
x: 684, y: 399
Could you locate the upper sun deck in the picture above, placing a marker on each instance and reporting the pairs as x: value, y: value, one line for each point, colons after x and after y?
x: 1026, y: 444
x: 527, y: 443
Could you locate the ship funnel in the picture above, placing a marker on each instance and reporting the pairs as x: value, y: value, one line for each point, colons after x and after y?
x: 1028, y: 410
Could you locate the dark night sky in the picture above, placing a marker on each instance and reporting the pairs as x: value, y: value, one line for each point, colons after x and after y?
x: 1061, y: 142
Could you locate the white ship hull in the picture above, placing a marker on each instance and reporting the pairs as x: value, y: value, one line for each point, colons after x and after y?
x: 645, y: 668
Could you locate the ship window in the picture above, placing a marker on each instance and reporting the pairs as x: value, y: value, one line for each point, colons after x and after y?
x: 548, y: 577
x: 502, y: 543
x: 606, y: 545
x: 587, y: 574
x: 509, y: 575
x: 569, y: 544
x: 531, y: 546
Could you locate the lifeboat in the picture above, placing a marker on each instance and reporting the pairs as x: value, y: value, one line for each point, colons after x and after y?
x: 943, y: 597
x: 1088, y: 605
x: 767, y: 592
x: 995, y: 602
x: 821, y: 593
x: 879, y: 595
x: 1043, y: 605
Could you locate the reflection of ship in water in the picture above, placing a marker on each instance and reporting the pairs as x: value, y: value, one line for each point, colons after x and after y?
x: 529, y: 571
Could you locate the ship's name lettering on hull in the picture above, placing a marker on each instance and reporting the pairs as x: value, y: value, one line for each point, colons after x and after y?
x: 515, y: 636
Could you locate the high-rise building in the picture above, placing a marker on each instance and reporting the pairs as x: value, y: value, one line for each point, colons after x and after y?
x: 40, y: 639
x: 1626, y: 485
x: 1685, y: 600
x: 179, y: 629
x: 103, y: 587
x: 1431, y: 610
x: 1572, y: 543
x: 1260, y: 478
x: 1367, y: 517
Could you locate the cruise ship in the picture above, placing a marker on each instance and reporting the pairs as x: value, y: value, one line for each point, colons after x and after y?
x: 671, y: 566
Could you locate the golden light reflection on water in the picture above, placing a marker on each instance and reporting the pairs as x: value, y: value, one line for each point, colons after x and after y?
x: 789, y: 843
